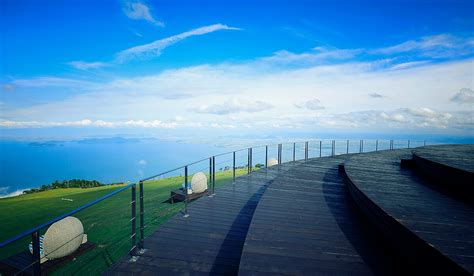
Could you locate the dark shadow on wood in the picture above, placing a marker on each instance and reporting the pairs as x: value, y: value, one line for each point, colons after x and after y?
x: 359, y: 232
x: 243, y: 219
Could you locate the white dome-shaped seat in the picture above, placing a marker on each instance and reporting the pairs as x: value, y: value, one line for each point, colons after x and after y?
x: 272, y: 162
x: 199, y: 183
x: 61, y: 239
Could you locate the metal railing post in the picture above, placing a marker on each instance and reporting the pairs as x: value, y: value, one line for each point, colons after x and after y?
x: 36, y: 253
x: 142, y: 215
x: 306, y: 150
x: 362, y: 145
x: 376, y: 145
x: 333, y: 147
x: 186, y: 198
x: 233, y: 166
x: 391, y: 144
x: 213, y: 175
x: 424, y: 143
x: 294, y: 152
x: 320, y: 149
x: 210, y: 176
x: 248, y: 161
x: 251, y: 160
x: 347, y: 150
x: 408, y: 143
x: 279, y: 154
x: 134, y: 220
x: 266, y: 156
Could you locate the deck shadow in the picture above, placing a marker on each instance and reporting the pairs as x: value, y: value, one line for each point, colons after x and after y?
x: 374, y: 251
x: 242, y: 219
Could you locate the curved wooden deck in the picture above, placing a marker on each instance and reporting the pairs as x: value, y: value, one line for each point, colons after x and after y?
x: 450, y: 167
x: 424, y: 224
x: 306, y: 224
x: 307, y: 217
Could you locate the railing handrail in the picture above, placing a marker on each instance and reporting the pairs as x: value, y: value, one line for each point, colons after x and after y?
x: 269, y: 145
x: 58, y: 218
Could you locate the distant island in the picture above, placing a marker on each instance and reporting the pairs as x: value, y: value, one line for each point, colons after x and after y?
x: 73, y: 183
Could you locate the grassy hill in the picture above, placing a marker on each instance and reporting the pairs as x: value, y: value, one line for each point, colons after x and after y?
x: 107, y: 223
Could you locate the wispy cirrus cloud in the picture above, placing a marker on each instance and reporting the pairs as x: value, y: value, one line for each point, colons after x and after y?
x: 234, y: 106
x: 155, y: 48
x: 138, y: 10
x: 405, y: 65
x: 48, y: 82
x: 316, y: 54
x: 83, y: 65
x: 150, y: 50
x: 436, y: 46
x: 89, y: 123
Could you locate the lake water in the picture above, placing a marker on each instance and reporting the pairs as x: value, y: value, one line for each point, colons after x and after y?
x: 25, y: 165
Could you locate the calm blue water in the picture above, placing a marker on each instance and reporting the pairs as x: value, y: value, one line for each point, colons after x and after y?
x: 25, y: 165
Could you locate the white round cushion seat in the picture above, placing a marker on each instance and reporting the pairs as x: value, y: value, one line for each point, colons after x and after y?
x: 272, y: 162
x: 199, y: 183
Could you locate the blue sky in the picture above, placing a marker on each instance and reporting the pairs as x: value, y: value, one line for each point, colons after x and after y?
x: 165, y: 67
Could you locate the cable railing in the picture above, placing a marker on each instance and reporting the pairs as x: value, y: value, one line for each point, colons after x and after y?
x: 164, y: 195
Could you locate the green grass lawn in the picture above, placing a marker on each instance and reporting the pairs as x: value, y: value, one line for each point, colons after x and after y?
x: 106, y: 223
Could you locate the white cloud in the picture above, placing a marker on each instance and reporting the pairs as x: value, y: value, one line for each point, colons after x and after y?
x: 406, y: 65
x: 155, y: 48
x: 464, y: 96
x: 313, y: 104
x: 318, y: 54
x: 436, y: 46
x: 421, y: 112
x: 138, y: 10
x: 149, y: 50
x: 82, y: 65
x: 48, y: 82
x: 88, y: 123
x: 234, y: 106
x: 142, y: 162
x: 217, y: 125
x: 258, y: 94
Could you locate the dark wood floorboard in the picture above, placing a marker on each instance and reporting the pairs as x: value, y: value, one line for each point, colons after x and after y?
x: 306, y: 224
x: 443, y: 222
x: 211, y: 239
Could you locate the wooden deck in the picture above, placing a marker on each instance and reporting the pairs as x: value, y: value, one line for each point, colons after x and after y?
x: 449, y: 167
x: 455, y: 156
x: 308, y: 217
x: 210, y: 240
x: 306, y: 224
x: 434, y: 229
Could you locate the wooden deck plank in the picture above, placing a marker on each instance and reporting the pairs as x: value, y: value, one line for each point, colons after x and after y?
x: 305, y: 224
x: 444, y: 223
